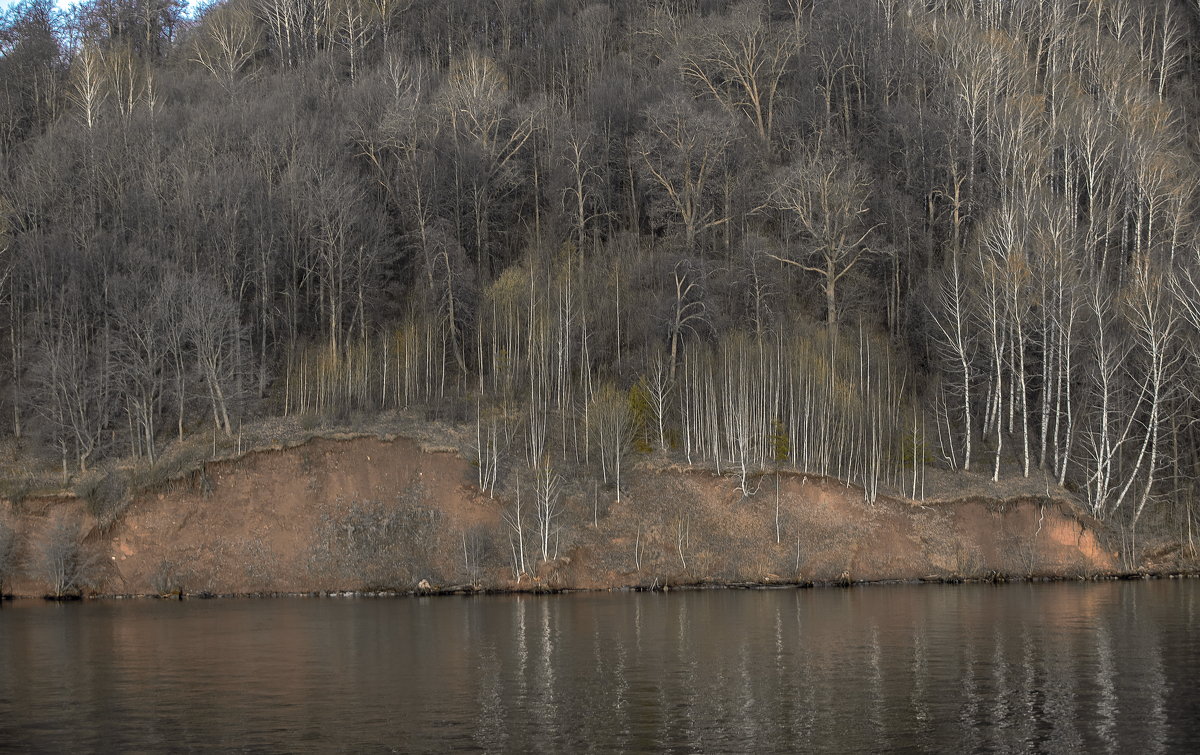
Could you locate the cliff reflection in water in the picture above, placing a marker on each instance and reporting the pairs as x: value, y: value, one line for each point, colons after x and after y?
x: 1093, y: 667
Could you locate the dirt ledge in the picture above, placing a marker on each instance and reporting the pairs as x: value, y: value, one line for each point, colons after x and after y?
x: 267, y: 522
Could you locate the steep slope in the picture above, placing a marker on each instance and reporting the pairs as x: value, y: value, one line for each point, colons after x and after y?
x: 371, y: 513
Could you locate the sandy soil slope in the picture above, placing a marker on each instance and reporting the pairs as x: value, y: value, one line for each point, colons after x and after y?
x: 370, y: 513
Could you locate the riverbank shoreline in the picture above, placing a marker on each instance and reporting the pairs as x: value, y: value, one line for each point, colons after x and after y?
x: 331, y: 515
x: 654, y: 587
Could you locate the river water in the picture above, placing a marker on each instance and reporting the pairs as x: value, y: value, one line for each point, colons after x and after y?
x: 1052, y: 667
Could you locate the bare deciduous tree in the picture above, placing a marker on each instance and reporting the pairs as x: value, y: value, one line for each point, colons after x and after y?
x: 228, y: 39
x: 608, y: 415
x: 683, y: 152
x: 825, y: 196
x: 88, y: 88
x: 740, y: 60
x: 214, y: 332
x: 547, y: 494
x: 954, y: 342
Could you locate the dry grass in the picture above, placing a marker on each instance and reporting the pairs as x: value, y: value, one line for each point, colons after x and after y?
x: 23, y: 475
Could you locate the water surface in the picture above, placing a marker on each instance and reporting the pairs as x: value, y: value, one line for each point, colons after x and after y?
x: 1063, y: 667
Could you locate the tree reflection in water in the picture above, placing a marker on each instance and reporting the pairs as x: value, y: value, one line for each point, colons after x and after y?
x: 1067, y: 667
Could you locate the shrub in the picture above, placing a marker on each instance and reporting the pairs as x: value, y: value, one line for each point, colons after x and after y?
x: 372, y: 544
x: 107, y: 497
x: 166, y: 578
x: 781, y: 444
x: 62, y: 560
x: 16, y: 490
x: 641, y: 416
x: 9, y: 553
x: 167, y: 471
x: 479, y: 551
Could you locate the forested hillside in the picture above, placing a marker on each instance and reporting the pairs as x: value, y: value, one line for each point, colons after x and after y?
x: 849, y: 237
